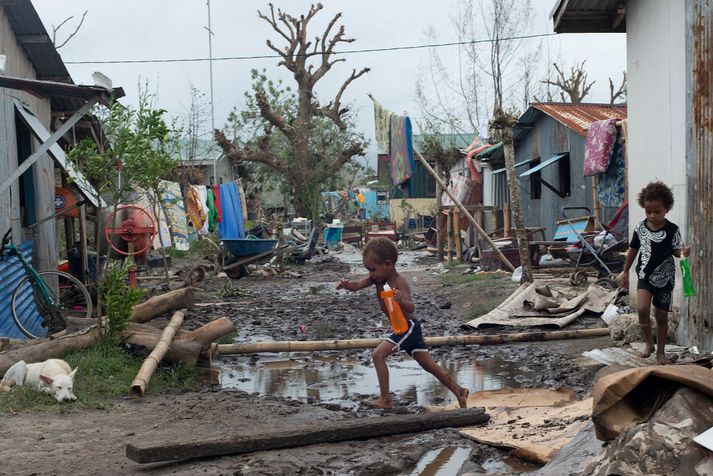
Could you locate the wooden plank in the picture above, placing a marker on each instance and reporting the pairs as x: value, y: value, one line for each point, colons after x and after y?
x: 317, y: 432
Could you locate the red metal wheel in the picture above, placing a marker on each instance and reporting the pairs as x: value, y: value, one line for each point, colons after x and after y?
x: 131, y: 229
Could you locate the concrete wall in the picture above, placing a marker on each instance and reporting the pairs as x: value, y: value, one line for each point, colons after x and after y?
x: 656, y: 68
x: 19, y: 65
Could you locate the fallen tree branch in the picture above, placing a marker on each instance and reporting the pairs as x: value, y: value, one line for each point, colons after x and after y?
x: 157, y: 305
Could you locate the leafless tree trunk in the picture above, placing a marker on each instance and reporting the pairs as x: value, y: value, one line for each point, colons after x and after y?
x: 504, y: 123
x: 573, y: 86
x: 619, y: 93
x: 308, y: 171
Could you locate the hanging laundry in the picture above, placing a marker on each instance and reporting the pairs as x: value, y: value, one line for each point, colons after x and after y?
x: 361, y: 197
x: 175, y: 212
x: 401, y: 156
x: 232, y: 227
x: 216, y: 191
x: 599, y: 146
x: 243, y: 201
x: 611, y: 184
x: 212, y: 211
x: 382, y: 123
x: 194, y: 203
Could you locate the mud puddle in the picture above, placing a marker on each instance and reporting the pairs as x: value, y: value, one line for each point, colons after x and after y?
x: 343, y: 380
x: 408, y: 260
x: 441, y: 462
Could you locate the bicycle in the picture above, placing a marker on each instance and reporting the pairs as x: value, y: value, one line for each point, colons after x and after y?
x: 55, y: 295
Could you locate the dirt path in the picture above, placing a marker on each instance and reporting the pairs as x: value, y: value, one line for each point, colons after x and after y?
x: 80, y: 441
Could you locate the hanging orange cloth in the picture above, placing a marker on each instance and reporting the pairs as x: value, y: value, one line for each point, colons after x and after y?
x: 196, y: 212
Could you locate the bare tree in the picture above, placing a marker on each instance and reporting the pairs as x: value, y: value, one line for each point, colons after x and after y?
x: 71, y: 35
x: 574, y: 86
x: 619, y: 93
x: 305, y: 170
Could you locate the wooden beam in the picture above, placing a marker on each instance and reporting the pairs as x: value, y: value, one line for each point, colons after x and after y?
x: 618, y: 17
x: 310, y: 434
x: 26, y: 39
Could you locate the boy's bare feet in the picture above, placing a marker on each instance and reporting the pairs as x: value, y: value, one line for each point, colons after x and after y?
x: 463, y: 397
x: 381, y: 402
x: 648, y: 350
x: 662, y: 359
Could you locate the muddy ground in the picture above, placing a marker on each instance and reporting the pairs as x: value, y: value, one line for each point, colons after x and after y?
x: 82, y: 441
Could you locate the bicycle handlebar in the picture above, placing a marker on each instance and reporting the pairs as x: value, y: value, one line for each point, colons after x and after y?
x: 6, y: 239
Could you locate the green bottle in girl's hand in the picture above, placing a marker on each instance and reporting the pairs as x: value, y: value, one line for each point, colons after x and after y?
x: 688, y: 289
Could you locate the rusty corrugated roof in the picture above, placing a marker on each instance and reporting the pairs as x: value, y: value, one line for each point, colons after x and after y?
x: 577, y: 117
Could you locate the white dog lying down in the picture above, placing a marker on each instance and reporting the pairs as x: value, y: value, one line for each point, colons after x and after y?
x: 53, y: 376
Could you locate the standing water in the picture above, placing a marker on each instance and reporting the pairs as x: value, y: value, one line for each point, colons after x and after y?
x: 337, y: 379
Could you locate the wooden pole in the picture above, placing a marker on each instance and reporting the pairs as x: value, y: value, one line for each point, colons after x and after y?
x: 465, y: 212
x: 84, y: 248
x: 479, y: 221
x: 456, y: 236
x: 138, y: 386
x: 494, y: 219
x: 311, y: 433
x: 595, y: 200
x: 439, y: 214
x: 449, y: 233
x: 506, y: 220
x: 300, y: 346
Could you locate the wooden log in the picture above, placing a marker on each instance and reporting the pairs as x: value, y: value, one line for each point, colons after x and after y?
x: 75, y: 324
x: 297, y: 346
x: 449, y: 234
x: 157, y: 305
x: 210, y: 332
x: 181, y: 351
x: 312, y: 433
x: 138, y: 386
x: 456, y: 236
x: 50, y: 348
x: 465, y: 212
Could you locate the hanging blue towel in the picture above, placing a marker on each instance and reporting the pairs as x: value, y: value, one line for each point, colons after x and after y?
x: 232, y: 226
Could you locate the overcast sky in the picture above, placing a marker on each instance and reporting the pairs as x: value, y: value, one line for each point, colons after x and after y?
x: 175, y: 29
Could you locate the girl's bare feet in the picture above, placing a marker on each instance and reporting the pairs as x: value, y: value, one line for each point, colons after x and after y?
x: 381, y: 402
x: 662, y: 359
x: 648, y: 350
x: 463, y: 397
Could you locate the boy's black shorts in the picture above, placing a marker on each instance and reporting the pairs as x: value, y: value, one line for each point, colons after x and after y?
x: 661, y: 296
x: 410, y: 341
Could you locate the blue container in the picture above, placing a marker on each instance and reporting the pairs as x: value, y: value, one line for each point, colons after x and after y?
x: 332, y: 236
x: 248, y: 247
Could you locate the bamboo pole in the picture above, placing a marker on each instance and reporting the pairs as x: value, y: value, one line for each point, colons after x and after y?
x: 465, y: 212
x: 456, y: 235
x: 300, y: 346
x: 449, y: 233
x: 138, y: 386
x: 439, y: 214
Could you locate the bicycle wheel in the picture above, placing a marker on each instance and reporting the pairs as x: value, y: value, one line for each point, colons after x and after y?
x: 70, y: 296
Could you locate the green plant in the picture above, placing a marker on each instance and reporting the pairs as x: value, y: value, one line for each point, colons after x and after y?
x: 229, y: 291
x: 119, y: 297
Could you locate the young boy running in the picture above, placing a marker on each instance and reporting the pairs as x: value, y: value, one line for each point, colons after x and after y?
x: 656, y: 240
x: 379, y: 258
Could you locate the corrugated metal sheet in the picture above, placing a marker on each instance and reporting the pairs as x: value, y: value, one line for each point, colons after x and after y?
x: 696, y: 326
x: 577, y: 117
x: 11, y: 273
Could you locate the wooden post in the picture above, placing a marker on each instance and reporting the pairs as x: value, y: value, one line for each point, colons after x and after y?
x: 595, y: 200
x: 345, y: 429
x: 485, y: 236
x: 494, y: 220
x: 439, y: 214
x: 479, y: 221
x: 506, y: 220
x: 83, y: 245
x: 456, y: 235
x: 449, y: 232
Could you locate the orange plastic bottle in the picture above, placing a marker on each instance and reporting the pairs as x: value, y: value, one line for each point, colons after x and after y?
x: 396, y: 316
